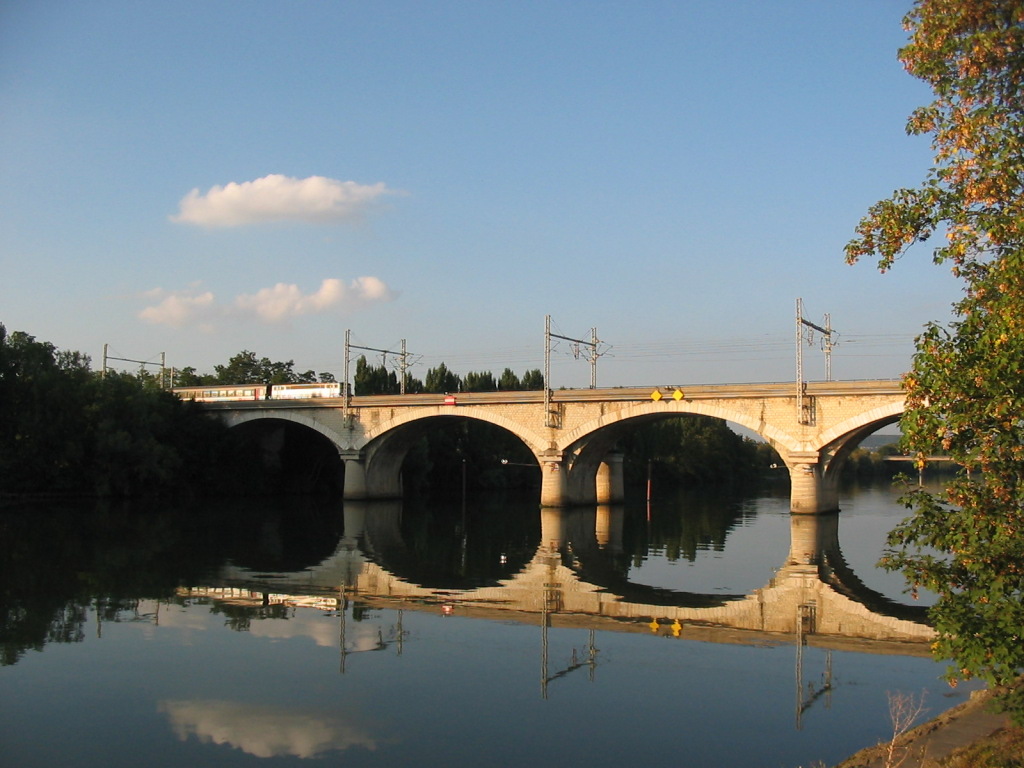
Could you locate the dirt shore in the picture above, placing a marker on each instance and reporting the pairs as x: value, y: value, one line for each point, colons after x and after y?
x: 928, y: 744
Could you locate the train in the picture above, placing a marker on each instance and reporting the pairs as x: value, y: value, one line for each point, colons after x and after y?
x: 234, y: 392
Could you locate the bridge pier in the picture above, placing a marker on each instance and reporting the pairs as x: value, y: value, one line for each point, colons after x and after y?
x: 553, y: 482
x: 611, y: 484
x: 811, y: 493
x: 355, y: 476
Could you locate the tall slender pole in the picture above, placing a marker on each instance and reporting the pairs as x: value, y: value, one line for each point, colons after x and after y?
x: 799, y: 361
x: 402, y: 365
x: 348, y: 392
x: 547, y: 370
x: 650, y: 470
x: 593, y: 358
x: 828, y: 347
x: 341, y: 631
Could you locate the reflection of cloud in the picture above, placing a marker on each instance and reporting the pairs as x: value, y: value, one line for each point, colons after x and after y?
x: 263, y: 731
x: 315, y: 199
x: 309, y: 624
x: 361, y: 637
x: 178, y: 617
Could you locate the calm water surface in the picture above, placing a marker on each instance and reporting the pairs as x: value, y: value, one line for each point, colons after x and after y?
x: 270, y: 633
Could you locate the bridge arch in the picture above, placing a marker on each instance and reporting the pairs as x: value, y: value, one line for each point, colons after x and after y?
x: 589, y: 446
x: 814, y: 466
x: 852, y: 431
x: 774, y: 435
x: 389, y: 442
x: 237, y: 418
x: 537, y: 443
x: 290, y: 452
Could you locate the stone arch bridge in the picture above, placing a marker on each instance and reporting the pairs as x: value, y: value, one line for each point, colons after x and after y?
x: 573, y: 433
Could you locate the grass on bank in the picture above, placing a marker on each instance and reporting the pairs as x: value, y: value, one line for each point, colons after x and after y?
x: 1003, y: 749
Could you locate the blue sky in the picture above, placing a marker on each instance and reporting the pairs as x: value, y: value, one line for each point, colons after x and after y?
x: 202, y: 178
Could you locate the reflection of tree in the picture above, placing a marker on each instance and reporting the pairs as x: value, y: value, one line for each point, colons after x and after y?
x: 59, y: 562
x: 240, y: 617
x: 437, y: 545
x: 686, y: 523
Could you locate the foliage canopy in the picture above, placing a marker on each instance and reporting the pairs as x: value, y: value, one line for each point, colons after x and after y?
x: 965, y: 389
x: 66, y: 429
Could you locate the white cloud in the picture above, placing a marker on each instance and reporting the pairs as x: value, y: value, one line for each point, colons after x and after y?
x: 271, y: 305
x: 179, y: 308
x: 287, y: 300
x: 315, y: 199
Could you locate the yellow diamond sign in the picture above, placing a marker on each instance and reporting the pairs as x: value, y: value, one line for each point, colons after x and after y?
x: 655, y: 395
x: 677, y: 395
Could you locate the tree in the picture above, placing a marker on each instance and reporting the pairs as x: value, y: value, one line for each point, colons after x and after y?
x: 533, y: 379
x: 479, y: 382
x: 689, y: 450
x: 509, y: 381
x: 66, y: 429
x: 965, y: 388
x: 374, y: 379
x: 440, y: 380
x: 187, y: 377
x: 43, y: 424
x: 246, y: 368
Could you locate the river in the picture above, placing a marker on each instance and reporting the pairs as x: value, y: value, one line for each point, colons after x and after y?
x: 704, y: 630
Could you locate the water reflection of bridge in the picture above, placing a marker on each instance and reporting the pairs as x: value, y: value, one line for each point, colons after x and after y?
x: 571, y: 581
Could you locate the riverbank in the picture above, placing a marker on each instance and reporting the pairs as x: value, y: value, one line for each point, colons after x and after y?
x: 969, y: 735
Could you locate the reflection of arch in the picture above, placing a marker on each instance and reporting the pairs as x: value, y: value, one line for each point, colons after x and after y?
x: 814, y: 544
x: 571, y: 573
x: 815, y: 541
x: 381, y: 541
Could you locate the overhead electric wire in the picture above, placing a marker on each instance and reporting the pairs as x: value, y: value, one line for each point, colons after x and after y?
x: 756, y: 349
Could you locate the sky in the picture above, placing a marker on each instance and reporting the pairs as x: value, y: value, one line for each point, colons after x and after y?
x: 198, y: 179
